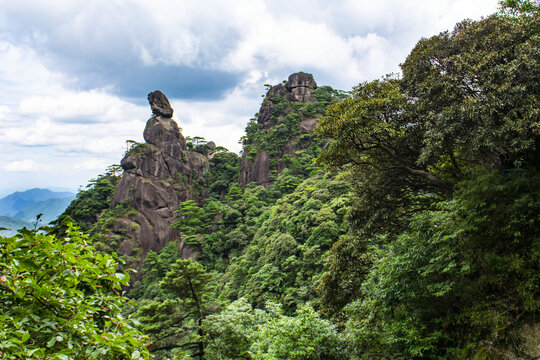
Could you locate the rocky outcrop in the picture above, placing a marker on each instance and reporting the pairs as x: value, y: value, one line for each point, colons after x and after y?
x: 160, y: 104
x: 257, y: 170
x: 301, y: 86
x: 257, y: 167
x: 307, y: 125
x: 156, y: 179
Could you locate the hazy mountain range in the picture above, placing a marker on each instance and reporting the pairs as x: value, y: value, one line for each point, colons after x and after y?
x: 20, y: 209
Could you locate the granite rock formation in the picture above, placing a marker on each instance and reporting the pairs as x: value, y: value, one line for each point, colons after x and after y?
x: 160, y: 104
x: 299, y: 87
x: 157, y: 177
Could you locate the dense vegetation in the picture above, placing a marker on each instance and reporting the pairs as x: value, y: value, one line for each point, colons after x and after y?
x: 415, y: 235
x: 444, y: 162
x: 89, y: 204
x: 59, y: 299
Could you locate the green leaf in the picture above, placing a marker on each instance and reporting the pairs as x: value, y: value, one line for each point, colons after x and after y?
x: 51, y: 342
x: 25, y: 337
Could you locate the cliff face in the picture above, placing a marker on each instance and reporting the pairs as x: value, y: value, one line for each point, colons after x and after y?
x: 157, y: 177
x: 257, y: 165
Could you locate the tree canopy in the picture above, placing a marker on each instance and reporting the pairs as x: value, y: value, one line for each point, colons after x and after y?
x: 442, y: 257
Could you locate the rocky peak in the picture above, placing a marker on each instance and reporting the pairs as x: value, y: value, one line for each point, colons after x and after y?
x: 161, y: 130
x: 160, y: 104
x: 301, y: 86
x: 157, y: 177
x: 298, y: 88
x: 300, y: 79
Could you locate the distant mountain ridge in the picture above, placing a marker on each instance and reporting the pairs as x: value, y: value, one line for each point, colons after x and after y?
x: 25, y: 205
x: 50, y: 209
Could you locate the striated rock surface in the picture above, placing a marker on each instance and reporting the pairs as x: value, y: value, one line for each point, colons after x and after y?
x: 298, y: 88
x: 157, y: 177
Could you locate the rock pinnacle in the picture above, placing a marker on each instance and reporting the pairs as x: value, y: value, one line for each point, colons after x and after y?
x: 160, y: 104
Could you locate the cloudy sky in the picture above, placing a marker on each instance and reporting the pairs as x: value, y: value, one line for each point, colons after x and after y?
x: 74, y: 75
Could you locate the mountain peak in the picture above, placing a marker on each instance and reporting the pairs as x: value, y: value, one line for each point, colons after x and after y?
x: 300, y: 79
x: 161, y: 130
x: 26, y: 202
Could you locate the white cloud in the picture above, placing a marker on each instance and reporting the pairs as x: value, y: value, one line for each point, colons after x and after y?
x: 93, y: 164
x: 240, y: 35
x: 22, y: 73
x: 4, y: 110
x: 222, y: 121
x: 94, y: 106
x: 52, y: 112
x: 66, y: 137
x: 21, y: 165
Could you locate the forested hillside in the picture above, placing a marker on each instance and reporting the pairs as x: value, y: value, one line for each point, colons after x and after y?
x: 400, y: 220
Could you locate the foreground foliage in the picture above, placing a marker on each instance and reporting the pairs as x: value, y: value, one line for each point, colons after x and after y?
x: 60, y: 300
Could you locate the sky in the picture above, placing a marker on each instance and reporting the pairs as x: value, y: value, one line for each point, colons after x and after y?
x: 74, y: 75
